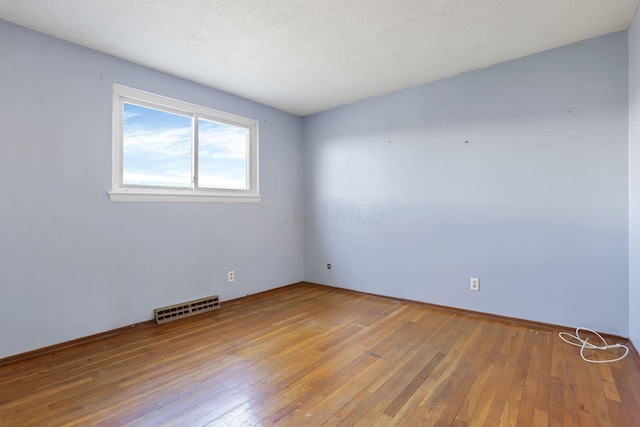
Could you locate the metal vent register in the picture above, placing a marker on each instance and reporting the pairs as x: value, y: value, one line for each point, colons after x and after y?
x: 186, y: 309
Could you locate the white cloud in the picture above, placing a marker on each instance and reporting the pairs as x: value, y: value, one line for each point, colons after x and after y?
x: 214, y: 143
x: 158, y: 143
x: 130, y: 114
x: 222, y: 141
x: 169, y: 180
x: 221, y: 181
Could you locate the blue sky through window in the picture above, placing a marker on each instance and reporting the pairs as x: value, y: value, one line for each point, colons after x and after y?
x: 157, y: 150
x: 222, y: 155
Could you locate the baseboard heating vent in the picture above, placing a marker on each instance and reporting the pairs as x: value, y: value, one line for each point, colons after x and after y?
x: 186, y: 309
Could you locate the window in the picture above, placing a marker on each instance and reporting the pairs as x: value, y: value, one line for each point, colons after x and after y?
x: 169, y: 150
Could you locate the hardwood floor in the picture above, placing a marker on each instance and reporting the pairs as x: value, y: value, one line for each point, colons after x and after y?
x: 308, y: 355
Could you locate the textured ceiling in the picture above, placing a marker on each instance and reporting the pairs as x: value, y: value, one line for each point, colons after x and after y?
x: 304, y: 56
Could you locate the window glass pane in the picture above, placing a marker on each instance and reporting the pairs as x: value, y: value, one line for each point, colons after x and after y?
x: 222, y: 155
x: 156, y: 148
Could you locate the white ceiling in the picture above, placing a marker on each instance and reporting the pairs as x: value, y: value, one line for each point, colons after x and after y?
x: 304, y: 56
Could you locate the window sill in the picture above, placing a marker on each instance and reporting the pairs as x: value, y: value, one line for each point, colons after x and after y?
x: 181, y: 197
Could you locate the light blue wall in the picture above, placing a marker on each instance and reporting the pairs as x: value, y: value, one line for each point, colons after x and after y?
x: 516, y: 174
x: 74, y: 264
x: 634, y: 181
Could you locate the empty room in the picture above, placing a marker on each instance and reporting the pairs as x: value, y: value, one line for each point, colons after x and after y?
x: 305, y: 213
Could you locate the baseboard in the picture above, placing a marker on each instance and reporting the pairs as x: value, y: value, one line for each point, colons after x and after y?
x: 72, y: 343
x: 539, y: 325
x: 261, y: 294
x: 634, y: 350
x: 108, y: 334
x: 150, y: 323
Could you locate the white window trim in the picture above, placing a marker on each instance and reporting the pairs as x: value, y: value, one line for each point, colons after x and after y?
x: 122, y: 193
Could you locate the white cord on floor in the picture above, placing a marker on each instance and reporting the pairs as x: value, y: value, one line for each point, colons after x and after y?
x: 578, y: 341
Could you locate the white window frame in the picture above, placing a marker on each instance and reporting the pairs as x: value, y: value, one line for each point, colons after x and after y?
x: 128, y: 193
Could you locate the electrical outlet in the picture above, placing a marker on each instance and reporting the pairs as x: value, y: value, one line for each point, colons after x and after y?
x: 474, y: 284
x: 231, y: 276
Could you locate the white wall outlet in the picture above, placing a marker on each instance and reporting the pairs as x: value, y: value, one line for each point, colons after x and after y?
x: 231, y: 276
x: 474, y: 284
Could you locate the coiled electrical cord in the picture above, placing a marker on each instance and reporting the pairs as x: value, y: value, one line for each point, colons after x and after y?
x: 577, y: 341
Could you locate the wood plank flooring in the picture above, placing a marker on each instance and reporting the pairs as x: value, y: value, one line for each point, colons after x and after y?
x: 308, y: 355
